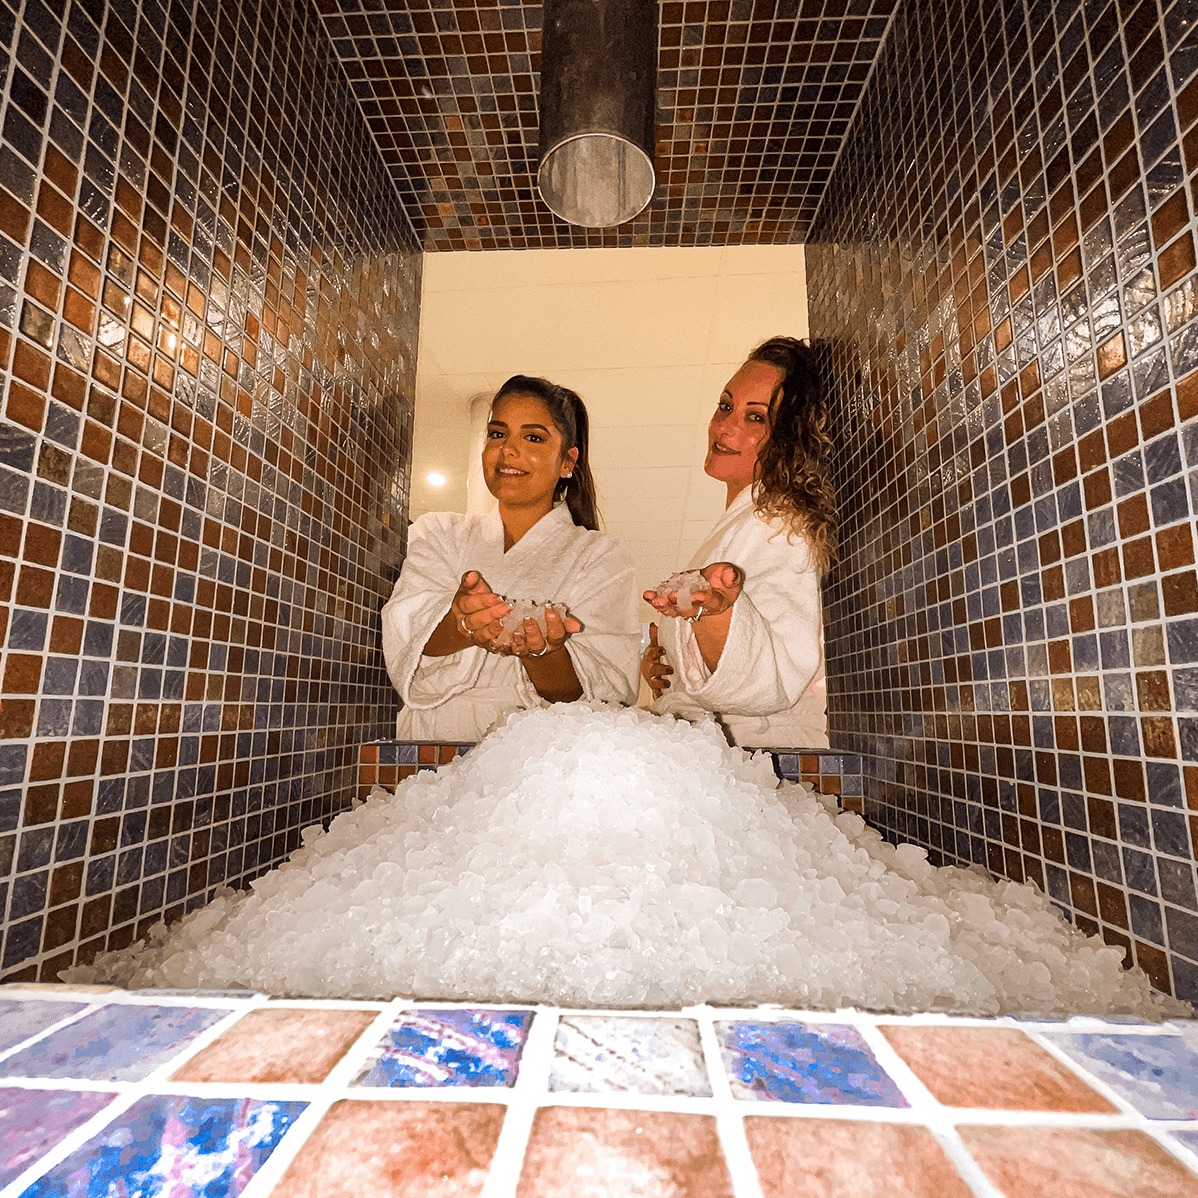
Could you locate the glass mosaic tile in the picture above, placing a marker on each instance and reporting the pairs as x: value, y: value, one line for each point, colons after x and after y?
x: 159, y: 350
x: 433, y: 1047
x: 278, y: 1044
x: 1032, y: 1162
x: 807, y: 1063
x: 402, y: 1149
x: 119, y: 1042
x: 169, y: 1144
x: 991, y: 1068
x: 574, y: 1151
x: 624, y: 1054
x: 535, y: 1141
x: 841, y: 1158
x: 20, y: 1020
x: 33, y: 1121
x: 1002, y: 280
x: 1158, y: 1075
x: 726, y: 173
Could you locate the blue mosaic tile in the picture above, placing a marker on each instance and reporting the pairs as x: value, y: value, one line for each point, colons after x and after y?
x: 33, y: 1121
x: 1158, y: 1074
x: 20, y: 1018
x: 170, y: 1146
x: 809, y: 1063
x: 120, y: 1042
x: 449, y: 1048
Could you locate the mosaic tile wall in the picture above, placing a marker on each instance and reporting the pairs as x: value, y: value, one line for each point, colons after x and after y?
x: 207, y: 340
x: 753, y: 101
x: 1003, y: 273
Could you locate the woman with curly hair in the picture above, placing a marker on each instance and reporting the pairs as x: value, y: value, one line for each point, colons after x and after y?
x: 748, y: 648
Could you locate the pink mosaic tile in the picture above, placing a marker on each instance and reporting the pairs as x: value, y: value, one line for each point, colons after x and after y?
x: 992, y: 1068
x: 1065, y: 1162
x: 842, y: 1158
x: 577, y: 1152
x: 278, y: 1044
x: 397, y: 1149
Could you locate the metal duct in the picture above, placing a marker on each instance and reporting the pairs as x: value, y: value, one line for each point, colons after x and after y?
x: 598, y: 102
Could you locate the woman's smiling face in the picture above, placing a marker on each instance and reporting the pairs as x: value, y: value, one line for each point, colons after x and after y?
x: 523, y: 458
x: 741, y: 425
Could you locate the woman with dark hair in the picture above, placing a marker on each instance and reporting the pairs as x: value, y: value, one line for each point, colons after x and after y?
x: 457, y: 669
x: 748, y: 647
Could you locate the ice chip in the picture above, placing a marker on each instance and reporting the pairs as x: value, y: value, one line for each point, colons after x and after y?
x: 684, y: 584
x: 585, y: 856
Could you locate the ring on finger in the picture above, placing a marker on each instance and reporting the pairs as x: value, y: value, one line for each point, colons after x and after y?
x: 698, y: 615
x: 462, y: 625
x: 541, y: 652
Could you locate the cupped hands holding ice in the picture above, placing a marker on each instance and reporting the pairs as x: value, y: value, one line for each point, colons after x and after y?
x: 478, y: 612
x: 532, y: 629
x: 694, y: 593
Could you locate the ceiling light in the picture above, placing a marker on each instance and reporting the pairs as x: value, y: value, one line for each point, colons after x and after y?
x: 435, y: 478
x: 598, y: 103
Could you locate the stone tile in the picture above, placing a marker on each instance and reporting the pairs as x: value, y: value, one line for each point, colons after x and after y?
x: 118, y: 1042
x: 400, y: 1149
x: 169, y: 1146
x: 33, y: 1121
x: 992, y: 1067
x: 602, y: 1054
x: 581, y: 1152
x: 1158, y: 1074
x: 1068, y: 1162
x: 842, y: 1158
x: 278, y: 1044
x: 432, y: 1047
x: 796, y: 1062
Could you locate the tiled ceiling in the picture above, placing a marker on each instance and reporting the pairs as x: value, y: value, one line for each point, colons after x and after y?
x: 754, y: 97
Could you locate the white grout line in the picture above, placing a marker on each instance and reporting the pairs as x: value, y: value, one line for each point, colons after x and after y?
x: 530, y: 1090
x: 68, y: 1144
x: 320, y: 1099
x: 729, y: 1123
x: 928, y: 1112
x: 65, y: 1021
x: 161, y: 1074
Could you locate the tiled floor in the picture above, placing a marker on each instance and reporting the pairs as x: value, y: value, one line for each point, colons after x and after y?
x: 212, y: 1095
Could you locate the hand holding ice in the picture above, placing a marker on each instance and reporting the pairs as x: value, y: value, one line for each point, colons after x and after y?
x: 526, y: 609
x: 684, y: 584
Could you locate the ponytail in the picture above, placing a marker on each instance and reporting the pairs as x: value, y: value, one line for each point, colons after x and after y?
x: 570, y: 417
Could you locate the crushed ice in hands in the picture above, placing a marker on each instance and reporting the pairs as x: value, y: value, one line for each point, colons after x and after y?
x: 612, y: 858
x: 526, y: 609
x: 683, y: 586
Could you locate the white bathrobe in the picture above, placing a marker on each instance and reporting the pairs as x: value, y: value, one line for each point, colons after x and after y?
x: 768, y: 688
x: 461, y: 696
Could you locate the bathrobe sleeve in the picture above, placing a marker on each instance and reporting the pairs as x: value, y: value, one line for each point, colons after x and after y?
x: 774, y: 645
x: 428, y: 581
x: 606, y: 653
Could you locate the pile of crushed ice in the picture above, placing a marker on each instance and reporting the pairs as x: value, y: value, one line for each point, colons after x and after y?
x: 612, y: 858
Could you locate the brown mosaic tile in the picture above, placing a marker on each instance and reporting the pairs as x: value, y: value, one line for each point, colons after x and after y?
x: 992, y: 1068
x: 841, y: 1158
x: 752, y: 106
x: 991, y: 143
x: 158, y: 288
x: 1077, y: 1163
x: 404, y: 1149
x: 294, y: 1045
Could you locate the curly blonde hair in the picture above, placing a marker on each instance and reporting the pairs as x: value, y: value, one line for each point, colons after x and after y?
x: 792, y: 480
